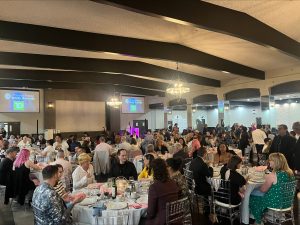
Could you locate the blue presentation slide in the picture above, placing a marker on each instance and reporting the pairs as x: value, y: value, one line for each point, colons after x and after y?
x: 132, y: 104
x: 19, y: 101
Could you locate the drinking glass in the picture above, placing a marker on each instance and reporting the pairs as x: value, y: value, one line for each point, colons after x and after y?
x: 131, y: 180
x: 109, y: 182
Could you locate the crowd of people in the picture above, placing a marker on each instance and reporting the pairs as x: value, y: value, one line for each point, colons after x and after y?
x: 164, y: 154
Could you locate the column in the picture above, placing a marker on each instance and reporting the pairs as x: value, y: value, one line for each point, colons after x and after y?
x: 189, y: 113
x: 267, y: 104
x: 221, y: 109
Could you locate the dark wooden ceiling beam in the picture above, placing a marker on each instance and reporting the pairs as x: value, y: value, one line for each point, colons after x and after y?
x: 215, y: 18
x: 80, y: 40
x: 102, y: 65
x: 76, y: 85
x: 75, y: 76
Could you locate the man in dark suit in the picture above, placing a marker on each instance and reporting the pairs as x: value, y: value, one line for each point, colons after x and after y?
x: 296, y: 150
x: 200, y: 172
x: 284, y: 143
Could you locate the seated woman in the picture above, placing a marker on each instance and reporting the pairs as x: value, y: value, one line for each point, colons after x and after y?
x: 83, y: 175
x: 222, y: 156
x: 237, y: 181
x: 23, y: 183
x: 160, y: 147
x: 269, y: 194
x: 173, y: 166
x: 162, y: 190
x: 147, y: 172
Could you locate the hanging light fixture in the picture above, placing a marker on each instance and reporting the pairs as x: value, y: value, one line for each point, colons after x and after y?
x: 114, y: 102
x: 178, y: 89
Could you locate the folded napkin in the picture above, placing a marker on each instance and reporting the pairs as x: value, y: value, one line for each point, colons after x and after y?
x: 260, y: 168
x: 138, y: 206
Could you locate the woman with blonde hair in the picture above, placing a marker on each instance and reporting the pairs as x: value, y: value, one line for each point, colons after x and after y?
x: 83, y: 175
x: 269, y: 194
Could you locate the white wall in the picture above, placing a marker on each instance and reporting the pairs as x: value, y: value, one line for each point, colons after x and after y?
x: 79, y: 115
x: 28, y: 120
x: 242, y: 115
x: 282, y: 114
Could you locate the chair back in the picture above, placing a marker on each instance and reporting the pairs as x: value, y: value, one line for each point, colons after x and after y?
x: 188, y: 174
x: 221, y: 190
x: 176, y: 212
x: 287, y: 190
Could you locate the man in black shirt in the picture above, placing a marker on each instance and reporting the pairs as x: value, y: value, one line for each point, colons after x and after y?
x: 284, y: 143
x: 6, y: 172
x: 123, y: 168
x: 200, y: 172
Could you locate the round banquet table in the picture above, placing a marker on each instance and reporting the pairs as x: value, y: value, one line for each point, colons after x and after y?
x: 83, y: 215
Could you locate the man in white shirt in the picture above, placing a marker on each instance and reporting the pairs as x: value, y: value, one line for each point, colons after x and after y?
x: 25, y: 142
x: 67, y: 167
x: 59, y: 144
x: 101, y: 159
x: 258, y: 137
x: 103, y: 146
x: 124, y: 144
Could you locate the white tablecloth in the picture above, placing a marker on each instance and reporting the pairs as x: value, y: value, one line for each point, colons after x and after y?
x: 83, y: 215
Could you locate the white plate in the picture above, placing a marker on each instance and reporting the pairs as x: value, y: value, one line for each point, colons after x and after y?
x: 88, y: 201
x: 142, y: 200
x: 116, y: 205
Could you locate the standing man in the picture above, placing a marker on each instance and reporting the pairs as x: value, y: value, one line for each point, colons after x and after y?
x: 284, y: 143
x: 296, y: 151
x: 101, y: 160
x: 258, y: 137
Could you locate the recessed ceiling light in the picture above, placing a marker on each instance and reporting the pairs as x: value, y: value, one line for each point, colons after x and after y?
x: 224, y: 71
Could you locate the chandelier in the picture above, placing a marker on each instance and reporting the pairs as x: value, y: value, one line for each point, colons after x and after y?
x: 114, y: 102
x: 178, y: 88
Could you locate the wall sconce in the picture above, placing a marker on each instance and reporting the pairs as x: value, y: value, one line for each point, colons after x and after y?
x: 50, y: 105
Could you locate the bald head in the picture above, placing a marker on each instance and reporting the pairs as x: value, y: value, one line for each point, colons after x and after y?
x: 296, y: 127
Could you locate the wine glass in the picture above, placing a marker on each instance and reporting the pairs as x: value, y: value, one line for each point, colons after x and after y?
x: 131, y: 179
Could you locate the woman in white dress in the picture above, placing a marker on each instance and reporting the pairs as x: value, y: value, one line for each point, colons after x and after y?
x: 83, y: 175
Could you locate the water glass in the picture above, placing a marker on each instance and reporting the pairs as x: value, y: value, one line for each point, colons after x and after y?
x: 109, y: 182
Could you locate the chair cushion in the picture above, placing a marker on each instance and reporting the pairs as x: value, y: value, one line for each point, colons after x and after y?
x: 226, y: 205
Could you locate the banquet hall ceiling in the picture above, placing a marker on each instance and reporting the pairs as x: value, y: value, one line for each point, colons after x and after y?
x: 105, y: 45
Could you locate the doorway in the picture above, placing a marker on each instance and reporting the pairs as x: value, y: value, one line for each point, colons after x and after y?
x: 12, y: 128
